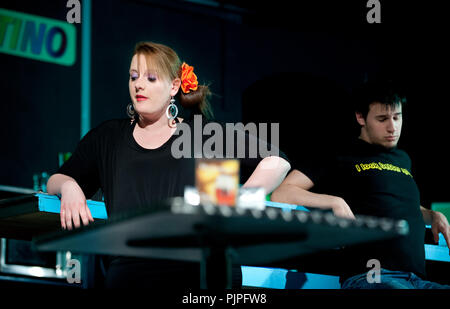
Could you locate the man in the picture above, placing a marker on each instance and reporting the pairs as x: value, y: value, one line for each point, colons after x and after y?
x: 371, y: 176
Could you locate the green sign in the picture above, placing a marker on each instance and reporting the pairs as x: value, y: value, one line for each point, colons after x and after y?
x: 37, y: 37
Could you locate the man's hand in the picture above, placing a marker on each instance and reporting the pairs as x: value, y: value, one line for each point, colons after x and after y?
x: 341, y: 209
x: 439, y: 224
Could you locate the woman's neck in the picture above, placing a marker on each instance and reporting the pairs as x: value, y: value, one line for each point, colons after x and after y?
x: 152, y: 134
x: 153, y: 125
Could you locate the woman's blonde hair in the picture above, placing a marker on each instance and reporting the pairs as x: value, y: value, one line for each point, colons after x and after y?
x: 165, y: 61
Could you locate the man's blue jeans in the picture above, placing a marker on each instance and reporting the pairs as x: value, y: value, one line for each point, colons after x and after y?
x: 391, y: 280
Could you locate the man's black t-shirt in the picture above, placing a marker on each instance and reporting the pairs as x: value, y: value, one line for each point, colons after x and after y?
x: 375, y: 181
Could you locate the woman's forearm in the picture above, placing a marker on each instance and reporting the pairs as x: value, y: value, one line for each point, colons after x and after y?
x: 55, y: 183
x: 268, y: 174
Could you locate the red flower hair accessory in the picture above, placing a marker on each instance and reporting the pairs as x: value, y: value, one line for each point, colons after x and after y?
x: 188, y: 78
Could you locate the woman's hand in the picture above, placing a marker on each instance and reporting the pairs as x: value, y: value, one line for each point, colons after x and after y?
x: 73, y: 206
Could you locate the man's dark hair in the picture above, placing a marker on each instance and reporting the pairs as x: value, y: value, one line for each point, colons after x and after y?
x: 386, y: 92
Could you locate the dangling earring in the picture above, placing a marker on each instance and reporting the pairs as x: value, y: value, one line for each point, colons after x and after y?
x: 172, y: 110
x: 131, y: 112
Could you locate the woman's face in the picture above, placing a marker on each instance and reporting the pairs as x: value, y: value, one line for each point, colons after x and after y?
x: 149, y: 92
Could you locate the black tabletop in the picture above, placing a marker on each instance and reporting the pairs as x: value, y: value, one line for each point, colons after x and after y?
x: 175, y: 230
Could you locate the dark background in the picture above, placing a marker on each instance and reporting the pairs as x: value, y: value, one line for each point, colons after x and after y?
x: 290, y: 62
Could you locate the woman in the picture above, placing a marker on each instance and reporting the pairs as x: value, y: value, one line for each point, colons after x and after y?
x: 131, y: 161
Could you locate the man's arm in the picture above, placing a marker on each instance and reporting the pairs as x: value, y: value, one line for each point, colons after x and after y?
x: 438, y: 222
x: 295, y: 190
x: 427, y: 215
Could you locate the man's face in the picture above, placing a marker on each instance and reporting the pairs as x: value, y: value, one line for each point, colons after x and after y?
x: 382, y: 126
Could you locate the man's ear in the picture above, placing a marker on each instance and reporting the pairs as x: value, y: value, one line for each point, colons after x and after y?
x: 360, y: 119
x: 176, y: 83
